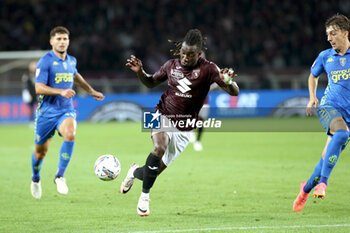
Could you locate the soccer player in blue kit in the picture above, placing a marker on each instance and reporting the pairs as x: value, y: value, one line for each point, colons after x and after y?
x: 55, y: 74
x: 334, y: 109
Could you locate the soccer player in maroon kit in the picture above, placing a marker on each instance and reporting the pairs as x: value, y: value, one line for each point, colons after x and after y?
x: 189, y: 79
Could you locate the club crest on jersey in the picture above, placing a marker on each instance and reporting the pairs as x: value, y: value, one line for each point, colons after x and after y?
x: 176, y: 73
x: 195, y: 73
x: 342, y: 61
x: 65, y: 65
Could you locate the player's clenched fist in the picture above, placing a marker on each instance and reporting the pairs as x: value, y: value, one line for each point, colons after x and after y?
x: 68, y: 93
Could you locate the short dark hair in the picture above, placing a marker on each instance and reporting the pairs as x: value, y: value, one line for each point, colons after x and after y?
x: 340, y: 21
x: 59, y: 30
x: 192, y: 37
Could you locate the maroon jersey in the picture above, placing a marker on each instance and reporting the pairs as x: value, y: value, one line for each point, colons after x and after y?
x: 187, y: 88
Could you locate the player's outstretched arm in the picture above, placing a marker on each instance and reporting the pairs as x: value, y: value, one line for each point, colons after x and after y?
x: 313, y: 101
x: 227, y: 76
x: 135, y: 65
x: 42, y: 89
x: 80, y: 81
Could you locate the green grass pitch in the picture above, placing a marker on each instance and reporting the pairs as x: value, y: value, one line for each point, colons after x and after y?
x: 240, y: 182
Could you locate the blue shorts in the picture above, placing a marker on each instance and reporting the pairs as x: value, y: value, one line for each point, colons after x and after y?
x: 46, y: 126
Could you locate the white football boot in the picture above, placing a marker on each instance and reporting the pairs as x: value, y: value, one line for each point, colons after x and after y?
x: 62, y: 187
x: 35, y: 188
x: 129, y: 179
x: 143, y: 206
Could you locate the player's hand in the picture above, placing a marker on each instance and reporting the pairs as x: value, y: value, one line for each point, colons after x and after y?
x: 227, y: 75
x: 68, y: 93
x: 134, y: 64
x: 97, y: 95
x: 313, y: 102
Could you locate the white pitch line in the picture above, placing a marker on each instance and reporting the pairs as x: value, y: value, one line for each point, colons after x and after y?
x: 243, y: 228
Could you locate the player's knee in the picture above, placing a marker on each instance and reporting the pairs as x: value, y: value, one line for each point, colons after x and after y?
x: 159, y: 150
x: 40, y: 154
x: 69, y: 136
x: 337, y: 124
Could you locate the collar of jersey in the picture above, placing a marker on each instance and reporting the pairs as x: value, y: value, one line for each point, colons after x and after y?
x: 335, y: 53
x: 56, y: 57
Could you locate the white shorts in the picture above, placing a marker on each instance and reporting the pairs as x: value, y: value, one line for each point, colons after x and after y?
x: 177, y: 144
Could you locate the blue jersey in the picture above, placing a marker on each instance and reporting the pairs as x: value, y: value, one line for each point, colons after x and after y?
x: 337, y: 93
x: 56, y: 73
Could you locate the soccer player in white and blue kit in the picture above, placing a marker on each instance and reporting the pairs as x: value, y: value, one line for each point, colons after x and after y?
x: 334, y: 108
x: 55, y: 75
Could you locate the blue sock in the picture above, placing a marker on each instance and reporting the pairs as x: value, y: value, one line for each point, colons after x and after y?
x: 332, y: 154
x: 36, y: 167
x: 315, y: 177
x: 324, y: 180
x: 66, y: 152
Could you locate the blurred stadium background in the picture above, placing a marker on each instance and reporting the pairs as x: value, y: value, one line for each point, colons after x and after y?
x: 271, y: 46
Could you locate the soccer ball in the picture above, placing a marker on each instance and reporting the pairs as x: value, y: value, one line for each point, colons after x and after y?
x: 107, y: 167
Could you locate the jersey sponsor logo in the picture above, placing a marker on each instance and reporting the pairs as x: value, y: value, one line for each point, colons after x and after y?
x: 342, y: 61
x: 63, y: 77
x: 176, y: 73
x: 37, y: 72
x: 183, y: 95
x: 195, y: 73
x: 55, y: 63
x: 340, y: 75
x: 184, y: 85
x: 330, y: 60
